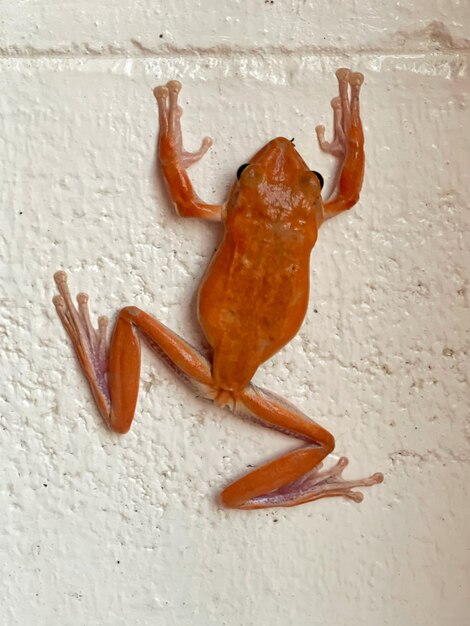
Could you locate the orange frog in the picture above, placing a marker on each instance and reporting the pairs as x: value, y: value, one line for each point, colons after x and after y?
x: 251, y: 302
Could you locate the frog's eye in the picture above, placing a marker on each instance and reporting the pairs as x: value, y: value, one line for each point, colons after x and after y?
x: 320, y: 178
x: 241, y: 168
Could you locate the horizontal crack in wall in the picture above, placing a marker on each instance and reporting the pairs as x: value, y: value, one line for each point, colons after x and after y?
x: 435, y: 38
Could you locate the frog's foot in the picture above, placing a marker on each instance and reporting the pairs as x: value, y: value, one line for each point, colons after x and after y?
x: 329, y: 483
x: 170, y: 125
x: 90, y: 344
x: 315, y: 485
x: 345, y: 112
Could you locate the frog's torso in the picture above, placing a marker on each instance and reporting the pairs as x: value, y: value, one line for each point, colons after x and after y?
x: 255, y: 293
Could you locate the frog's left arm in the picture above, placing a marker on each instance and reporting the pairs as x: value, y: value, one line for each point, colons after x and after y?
x: 175, y: 160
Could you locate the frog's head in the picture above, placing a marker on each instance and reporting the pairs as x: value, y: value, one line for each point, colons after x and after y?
x: 277, y: 177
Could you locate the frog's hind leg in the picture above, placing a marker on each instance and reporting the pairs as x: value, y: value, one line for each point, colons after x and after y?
x: 113, y: 373
x: 89, y: 343
x: 293, y: 478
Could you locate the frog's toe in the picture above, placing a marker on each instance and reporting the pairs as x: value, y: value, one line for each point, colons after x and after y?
x: 160, y: 92
x: 174, y: 86
x: 342, y: 73
x: 336, y: 103
x: 356, y: 79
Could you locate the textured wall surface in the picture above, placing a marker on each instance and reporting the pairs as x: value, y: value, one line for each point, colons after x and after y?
x: 102, y: 530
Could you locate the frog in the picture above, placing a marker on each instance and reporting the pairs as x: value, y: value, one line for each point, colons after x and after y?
x: 251, y: 302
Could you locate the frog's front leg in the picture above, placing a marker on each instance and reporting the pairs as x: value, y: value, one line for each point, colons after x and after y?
x: 113, y: 373
x: 293, y: 478
x: 175, y: 160
x: 348, y: 142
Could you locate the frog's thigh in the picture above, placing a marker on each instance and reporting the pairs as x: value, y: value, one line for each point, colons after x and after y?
x: 124, y: 361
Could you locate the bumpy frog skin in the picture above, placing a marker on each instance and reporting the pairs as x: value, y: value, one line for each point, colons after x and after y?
x: 252, y: 300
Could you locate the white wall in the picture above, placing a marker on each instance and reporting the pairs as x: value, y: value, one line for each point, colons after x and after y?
x: 105, y: 530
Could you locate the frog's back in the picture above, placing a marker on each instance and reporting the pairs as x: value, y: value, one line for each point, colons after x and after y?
x: 255, y: 293
x: 253, y: 299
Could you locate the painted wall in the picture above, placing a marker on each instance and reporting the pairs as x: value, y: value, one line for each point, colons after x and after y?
x: 104, y: 530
